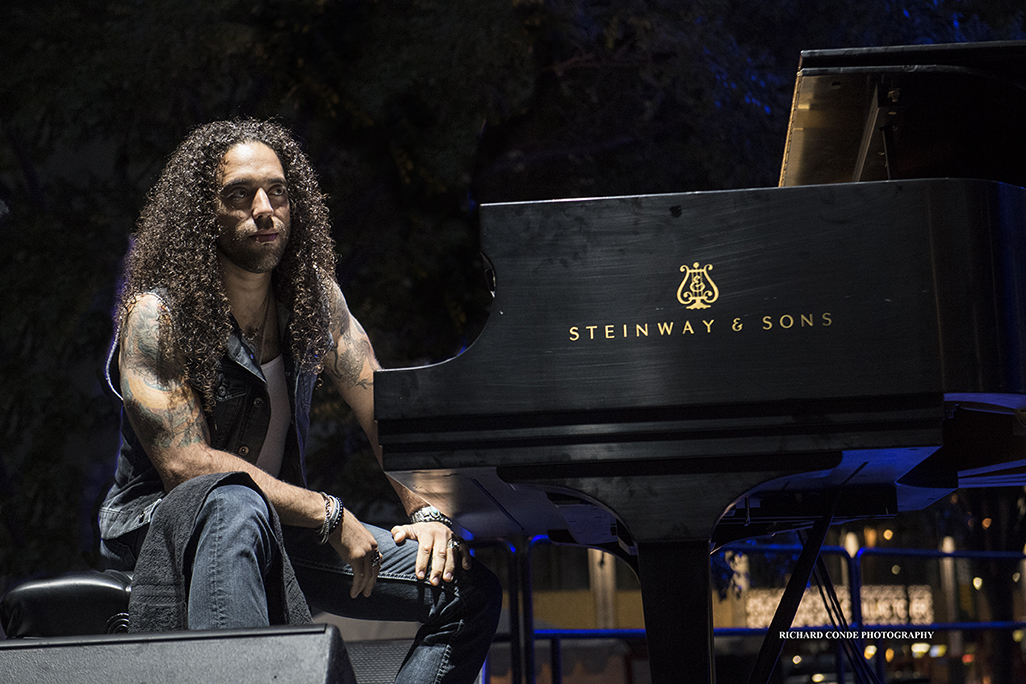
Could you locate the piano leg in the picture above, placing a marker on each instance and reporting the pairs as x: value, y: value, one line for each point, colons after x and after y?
x: 675, y: 594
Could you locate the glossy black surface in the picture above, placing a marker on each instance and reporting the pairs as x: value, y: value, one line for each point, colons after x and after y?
x: 845, y: 316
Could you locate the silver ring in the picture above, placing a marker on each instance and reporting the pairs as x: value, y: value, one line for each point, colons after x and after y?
x: 377, y: 559
x: 453, y: 544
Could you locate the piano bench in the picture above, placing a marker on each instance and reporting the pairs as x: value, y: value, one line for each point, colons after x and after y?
x: 74, y: 604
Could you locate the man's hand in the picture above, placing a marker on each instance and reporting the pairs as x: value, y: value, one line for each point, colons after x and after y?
x: 358, y: 547
x: 439, y: 549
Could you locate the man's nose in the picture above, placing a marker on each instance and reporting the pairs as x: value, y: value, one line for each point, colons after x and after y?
x: 262, y: 203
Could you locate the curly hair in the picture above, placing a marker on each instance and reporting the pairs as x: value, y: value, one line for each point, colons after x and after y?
x: 174, y: 255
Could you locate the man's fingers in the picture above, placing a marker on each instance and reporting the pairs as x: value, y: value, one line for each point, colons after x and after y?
x: 450, y: 561
x: 438, y: 552
x: 365, y: 572
x: 358, y: 581
x: 438, y: 562
x: 372, y: 578
x: 423, y: 559
x: 358, y: 547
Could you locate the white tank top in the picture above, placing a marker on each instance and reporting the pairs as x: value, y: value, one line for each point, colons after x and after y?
x: 273, y: 450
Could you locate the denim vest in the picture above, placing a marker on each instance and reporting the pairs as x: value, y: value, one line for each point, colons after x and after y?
x: 238, y: 424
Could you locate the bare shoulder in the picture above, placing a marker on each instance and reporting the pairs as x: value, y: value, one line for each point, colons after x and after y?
x: 140, y: 336
x: 339, y: 310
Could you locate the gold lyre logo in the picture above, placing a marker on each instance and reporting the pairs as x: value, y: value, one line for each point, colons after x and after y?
x: 697, y: 290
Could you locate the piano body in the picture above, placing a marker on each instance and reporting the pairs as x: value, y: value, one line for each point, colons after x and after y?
x: 662, y: 374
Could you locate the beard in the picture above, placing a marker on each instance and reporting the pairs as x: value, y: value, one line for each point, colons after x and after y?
x: 251, y: 255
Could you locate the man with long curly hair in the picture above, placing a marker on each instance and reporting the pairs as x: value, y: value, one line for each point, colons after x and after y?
x: 228, y: 312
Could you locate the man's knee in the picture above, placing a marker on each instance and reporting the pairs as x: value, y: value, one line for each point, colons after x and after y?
x: 235, y: 509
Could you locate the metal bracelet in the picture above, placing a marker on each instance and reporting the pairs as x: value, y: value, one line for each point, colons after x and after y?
x: 430, y: 514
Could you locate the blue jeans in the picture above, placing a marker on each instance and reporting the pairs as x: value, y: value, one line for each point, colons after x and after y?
x: 232, y: 548
x: 458, y: 618
x: 231, y: 551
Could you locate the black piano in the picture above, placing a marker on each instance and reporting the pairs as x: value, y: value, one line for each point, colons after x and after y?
x: 662, y: 374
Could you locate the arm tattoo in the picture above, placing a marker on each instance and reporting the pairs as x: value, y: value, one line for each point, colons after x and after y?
x: 352, y: 352
x: 164, y: 412
x: 346, y: 364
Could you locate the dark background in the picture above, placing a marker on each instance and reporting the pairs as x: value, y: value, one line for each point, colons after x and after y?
x: 414, y: 113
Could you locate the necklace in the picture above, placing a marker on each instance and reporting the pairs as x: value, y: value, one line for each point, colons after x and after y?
x: 251, y: 335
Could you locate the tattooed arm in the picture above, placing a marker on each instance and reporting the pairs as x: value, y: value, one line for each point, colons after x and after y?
x: 351, y: 364
x: 168, y: 419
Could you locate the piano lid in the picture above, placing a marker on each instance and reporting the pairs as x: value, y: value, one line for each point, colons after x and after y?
x: 925, y: 111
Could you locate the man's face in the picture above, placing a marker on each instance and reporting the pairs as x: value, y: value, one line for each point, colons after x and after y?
x: 252, y: 207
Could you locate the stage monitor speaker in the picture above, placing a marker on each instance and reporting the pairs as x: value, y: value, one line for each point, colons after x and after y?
x: 293, y: 655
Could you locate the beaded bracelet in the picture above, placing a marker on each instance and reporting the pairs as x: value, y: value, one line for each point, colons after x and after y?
x: 333, y: 514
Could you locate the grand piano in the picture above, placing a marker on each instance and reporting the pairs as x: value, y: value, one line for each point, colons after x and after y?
x: 662, y: 374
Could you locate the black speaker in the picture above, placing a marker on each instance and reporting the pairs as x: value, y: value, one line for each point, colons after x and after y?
x: 293, y: 655
x: 377, y: 661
